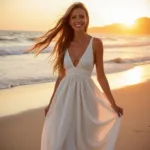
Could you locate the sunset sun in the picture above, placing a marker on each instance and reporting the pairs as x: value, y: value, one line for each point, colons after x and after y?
x: 127, y: 18
x: 129, y: 23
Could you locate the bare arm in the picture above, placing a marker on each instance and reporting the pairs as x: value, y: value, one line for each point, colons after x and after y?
x: 98, y: 48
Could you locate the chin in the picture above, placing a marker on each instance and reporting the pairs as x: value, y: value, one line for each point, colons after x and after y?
x: 79, y: 29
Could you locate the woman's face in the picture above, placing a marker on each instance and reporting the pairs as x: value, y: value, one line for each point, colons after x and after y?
x: 78, y: 19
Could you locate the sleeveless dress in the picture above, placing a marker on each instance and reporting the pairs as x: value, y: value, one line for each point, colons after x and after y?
x: 80, y: 116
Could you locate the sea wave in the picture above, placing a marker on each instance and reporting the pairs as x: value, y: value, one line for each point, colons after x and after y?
x: 129, y: 60
x: 9, y: 39
x: 128, y: 44
x: 17, y: 38
x: 12, y: 83
x: 18, y: 50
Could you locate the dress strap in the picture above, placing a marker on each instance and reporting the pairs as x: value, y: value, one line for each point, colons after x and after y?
x: 92, y: 52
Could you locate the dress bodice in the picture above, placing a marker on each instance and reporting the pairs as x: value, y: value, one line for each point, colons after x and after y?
x: 85, y: 64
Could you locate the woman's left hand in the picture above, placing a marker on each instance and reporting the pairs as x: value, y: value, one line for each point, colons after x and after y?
x: 118, y: 110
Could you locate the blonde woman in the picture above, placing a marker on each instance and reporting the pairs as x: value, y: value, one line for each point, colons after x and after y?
x: 79, y: 116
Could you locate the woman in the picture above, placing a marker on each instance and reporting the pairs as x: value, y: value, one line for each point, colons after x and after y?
x: 79, y: 116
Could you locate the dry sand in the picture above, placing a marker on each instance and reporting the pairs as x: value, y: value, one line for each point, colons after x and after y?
x: 22, y: 112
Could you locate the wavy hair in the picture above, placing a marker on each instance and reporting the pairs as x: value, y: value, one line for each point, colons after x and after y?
x: 65, y: 35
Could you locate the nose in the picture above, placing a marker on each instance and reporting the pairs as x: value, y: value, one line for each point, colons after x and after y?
x: 78, y: 19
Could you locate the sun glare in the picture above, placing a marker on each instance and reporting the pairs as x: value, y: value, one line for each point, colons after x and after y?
x: 129, y: 23
x: 127, y: 20
x: 133, y: 76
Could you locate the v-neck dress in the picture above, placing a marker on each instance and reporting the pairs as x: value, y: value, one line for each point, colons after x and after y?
x: 80, y: 116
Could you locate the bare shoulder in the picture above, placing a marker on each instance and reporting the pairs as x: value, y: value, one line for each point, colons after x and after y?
x: 97, y: 45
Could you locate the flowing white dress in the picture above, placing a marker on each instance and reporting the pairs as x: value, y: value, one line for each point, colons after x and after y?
x: 80, y: 116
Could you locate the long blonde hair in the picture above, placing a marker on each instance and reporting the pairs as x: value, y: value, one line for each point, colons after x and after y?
x: 66, y: 35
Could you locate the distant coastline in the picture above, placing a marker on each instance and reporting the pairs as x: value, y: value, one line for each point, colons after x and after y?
x: 140, y: 27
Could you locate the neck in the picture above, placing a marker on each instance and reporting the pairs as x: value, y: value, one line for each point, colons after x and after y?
x: 79, y: 36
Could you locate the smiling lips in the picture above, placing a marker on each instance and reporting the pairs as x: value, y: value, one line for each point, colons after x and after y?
x: 78, y: 25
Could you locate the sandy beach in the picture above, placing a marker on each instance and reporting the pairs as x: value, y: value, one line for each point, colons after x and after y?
x: 22, y: 111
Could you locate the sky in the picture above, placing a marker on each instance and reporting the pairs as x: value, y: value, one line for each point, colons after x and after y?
x: 41, y: 15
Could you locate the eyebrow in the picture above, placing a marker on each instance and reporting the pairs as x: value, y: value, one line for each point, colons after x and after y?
x: 76, y: 15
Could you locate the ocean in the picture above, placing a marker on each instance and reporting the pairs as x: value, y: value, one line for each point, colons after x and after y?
x: 17, y: 67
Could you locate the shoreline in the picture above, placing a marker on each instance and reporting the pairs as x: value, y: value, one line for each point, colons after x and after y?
x: 108, y: 72
x: 53, y: 79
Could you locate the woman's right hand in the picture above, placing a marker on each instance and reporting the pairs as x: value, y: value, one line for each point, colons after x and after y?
x: 46, y: 110
x: 118, y: 110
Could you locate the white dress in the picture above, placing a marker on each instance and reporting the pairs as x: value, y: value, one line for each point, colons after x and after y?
x: 80, y: 116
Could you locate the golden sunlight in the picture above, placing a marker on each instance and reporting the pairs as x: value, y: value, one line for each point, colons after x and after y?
x: 133, y: 76
x: 125, y: 78
x: 129, y: 23
x: 127, y: 18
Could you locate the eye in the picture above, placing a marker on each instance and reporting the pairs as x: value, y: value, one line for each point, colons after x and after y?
x: 73, y: 17
x: 81, y: 16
